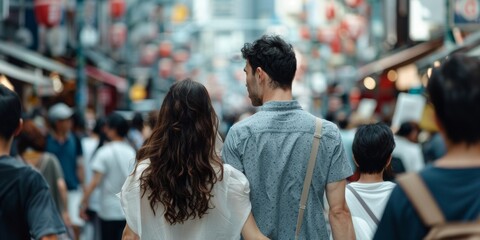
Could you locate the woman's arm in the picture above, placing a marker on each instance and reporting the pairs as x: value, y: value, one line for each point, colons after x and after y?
x: 128, y: 234
x: 250, y: 230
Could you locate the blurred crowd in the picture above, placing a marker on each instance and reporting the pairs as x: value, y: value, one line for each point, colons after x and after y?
x: 67, y: 150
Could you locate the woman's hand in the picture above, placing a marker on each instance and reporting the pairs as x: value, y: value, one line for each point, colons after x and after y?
x: 250, y: 230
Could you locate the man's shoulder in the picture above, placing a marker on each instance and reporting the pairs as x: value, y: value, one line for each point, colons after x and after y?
x: 330, y: 130
x: 9, y: 163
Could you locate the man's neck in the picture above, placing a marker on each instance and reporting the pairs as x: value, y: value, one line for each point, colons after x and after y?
x: 371, y: 178
x: 5, y: 147
x: 460, y: 155
x: 277, y: 94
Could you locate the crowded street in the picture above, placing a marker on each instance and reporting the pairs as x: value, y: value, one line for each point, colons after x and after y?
x: 239, y: 119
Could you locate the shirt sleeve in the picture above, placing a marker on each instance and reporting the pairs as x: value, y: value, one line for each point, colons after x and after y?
x: 340, y: 168
x: 130, y: 199
x: 42, y: 214
x: 99, y: 163
x: 238, y: 197
x: 56, y: 166
x: 230, y: 153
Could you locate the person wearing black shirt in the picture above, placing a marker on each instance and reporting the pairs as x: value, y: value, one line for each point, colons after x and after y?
x: 27, y: 210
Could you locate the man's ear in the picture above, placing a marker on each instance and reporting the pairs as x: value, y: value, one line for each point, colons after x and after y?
x: 389, y: 160
x: 258, y: 73
x: 19, y: 128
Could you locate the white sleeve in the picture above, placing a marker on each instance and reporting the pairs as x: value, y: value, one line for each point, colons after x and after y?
x: 98, y: 162
x: 130, y: 199
x: 238, y: 196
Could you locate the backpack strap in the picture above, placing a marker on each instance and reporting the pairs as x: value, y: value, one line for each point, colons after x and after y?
x: 309, y: 174
x: 364, y: 205
x: 421, y: 198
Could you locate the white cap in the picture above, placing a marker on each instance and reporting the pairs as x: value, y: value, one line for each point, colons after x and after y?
x: 59, y: 111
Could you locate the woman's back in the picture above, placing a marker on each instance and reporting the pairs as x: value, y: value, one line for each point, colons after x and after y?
x: 229, y: 209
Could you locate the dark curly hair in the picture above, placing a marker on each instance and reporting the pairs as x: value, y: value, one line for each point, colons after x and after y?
x: 275, y: 57
x: 184, y: 165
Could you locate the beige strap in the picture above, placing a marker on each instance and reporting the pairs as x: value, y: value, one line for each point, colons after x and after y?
x: 309, y: 174
x: 419, y: 195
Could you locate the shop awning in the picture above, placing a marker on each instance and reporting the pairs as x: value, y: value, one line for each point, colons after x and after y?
x: 108, y: 78
x: 402, y: 57
x: 36, y: 59
x: 25, y: 75
x: 43, y: 83
x: 469, y: 46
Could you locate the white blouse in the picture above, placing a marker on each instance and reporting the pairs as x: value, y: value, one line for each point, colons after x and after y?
x: 225, y: 221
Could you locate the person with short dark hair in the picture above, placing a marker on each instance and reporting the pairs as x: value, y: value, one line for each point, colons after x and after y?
x: 408, y: 150
x: 111, y: 165
x: 27, y: 208
x: 372, y: 152
x: 31, y: 149
x: 135, y: 132
x: 272, y: 147
x: 454, y: 179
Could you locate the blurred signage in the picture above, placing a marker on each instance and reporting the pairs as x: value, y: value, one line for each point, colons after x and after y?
x: 409, y: 107
x: 366, y: 108
x: 465, y: 12
x: 428, y: 17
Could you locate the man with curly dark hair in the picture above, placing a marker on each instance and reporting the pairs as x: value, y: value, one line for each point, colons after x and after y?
x: 272, y: 148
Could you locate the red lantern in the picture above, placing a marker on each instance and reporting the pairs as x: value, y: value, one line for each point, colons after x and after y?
x: 118, y: 34
x: 304, y: 32
x: 165, y: 49
x: 117, y: 8
x: 353, y: 25
x: 336, y: 45
x: 48, y: 12
x: 326, y: 34
x: 354, y: 3
x: 330, y: 11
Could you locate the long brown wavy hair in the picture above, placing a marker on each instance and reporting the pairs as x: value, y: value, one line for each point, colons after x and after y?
x: 182, y: 153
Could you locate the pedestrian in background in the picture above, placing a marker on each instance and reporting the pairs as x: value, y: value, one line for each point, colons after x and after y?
x: 111, y: 165
x: 272, y: 149
x: 90, y: 145
x: 62, y: 142
x: 27, y: 208
x: 372, y: 149
x: 31, y: 149
x: 407, y: 149
x: 453, y: 180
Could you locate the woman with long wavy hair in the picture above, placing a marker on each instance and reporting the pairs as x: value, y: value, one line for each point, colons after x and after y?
x: 180, y: 188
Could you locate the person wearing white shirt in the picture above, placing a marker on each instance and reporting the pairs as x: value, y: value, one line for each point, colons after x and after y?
x: 372, y: 152
x: 407, y: 149
x: 111, y: 165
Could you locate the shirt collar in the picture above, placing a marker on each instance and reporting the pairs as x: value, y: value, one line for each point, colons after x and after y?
x: 281, y: 106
